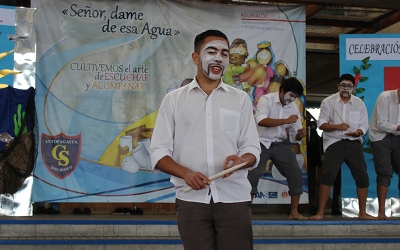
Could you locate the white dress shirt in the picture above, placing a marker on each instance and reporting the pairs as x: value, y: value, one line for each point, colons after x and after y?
x: 385, y: 117
x: 199, y: 131
x: 269, y: 106
x: 354, y: 113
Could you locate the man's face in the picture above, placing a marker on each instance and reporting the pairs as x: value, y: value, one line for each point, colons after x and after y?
x: 287, y: 98
x: 346, y: 87
x: 214, y: 57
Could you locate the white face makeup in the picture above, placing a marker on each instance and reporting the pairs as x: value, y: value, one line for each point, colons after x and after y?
x: 346, y: 88
x: 289, y: 97
x: 215, y: 59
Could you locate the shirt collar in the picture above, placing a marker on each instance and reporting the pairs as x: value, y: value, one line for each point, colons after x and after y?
x: 195, y: 84
x: 276, y: 98
x: 338, y: 99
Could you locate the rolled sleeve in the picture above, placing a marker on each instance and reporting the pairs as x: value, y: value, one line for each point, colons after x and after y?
x: 324, y: 114
x: 256, y: 151
x: 249, y: 141
x: 157, y: 155
x: 294, y: 127
x: 382, y: 113
x: 162, y: 139
x: 263, y: 108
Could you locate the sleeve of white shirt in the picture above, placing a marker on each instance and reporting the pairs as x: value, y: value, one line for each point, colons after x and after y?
x: 249, y: 141
x: 294, y: 127
x: 363, y: 125
x: 163, y: 134
x: 263, y: 108
x: 382, y: 116
x: 324, y: 113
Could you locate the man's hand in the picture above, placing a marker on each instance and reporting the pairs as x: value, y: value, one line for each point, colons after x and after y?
x: 301, y: 133
x: 343, y: 126
x: 356, y: 133
x: 232, y: 161
x: 292, y: 119
x: 196, y: 180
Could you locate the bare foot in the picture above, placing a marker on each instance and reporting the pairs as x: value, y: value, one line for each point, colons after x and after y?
x: 366, y: 217
x: 382, y: 217
x: 317, y: 217
x: 297, y: 216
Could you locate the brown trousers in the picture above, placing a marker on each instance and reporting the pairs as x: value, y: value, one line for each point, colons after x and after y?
x: 215, y: 226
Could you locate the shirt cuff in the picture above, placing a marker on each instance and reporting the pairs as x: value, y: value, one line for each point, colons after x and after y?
x: 260, y: 118
x: 254, y: 151
x: 156, y: 156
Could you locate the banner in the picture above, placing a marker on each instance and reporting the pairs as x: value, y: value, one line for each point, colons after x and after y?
x: 374, y: 61
x: 103, y: 68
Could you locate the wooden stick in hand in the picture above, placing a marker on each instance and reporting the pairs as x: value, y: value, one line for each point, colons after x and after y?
x: 220, y: 174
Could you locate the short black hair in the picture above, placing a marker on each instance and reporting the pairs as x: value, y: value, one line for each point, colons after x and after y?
x: 348, y: 77
x: 199, y: 40
x: 293, y: 85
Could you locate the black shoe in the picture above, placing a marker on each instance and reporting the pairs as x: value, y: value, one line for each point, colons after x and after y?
x: 126, y: 210
x: 336, y: 212
x: 86, y: 210
x: 40, y: 210
x: 51, y: 210
x: 137, y: 210
x: 77, y: 210
x: 118, y: 211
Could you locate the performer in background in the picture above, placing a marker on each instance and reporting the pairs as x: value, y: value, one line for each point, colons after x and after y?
x: 385, y: 138
x: 275, y: 113
x: 344, y: 120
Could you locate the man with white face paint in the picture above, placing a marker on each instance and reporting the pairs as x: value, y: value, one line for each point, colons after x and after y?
x: 203, y: 128
x: 344, y: 120
x: 385, y: 138
x: 275, y: 113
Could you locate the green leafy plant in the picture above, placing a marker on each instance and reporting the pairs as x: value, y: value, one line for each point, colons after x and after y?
x: 18, y: 117
x: 359, y: 78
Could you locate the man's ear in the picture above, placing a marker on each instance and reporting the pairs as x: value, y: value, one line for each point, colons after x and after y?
x: 195, y: 58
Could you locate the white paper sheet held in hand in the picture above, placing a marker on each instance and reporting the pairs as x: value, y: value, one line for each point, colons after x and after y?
x: 220, y: 174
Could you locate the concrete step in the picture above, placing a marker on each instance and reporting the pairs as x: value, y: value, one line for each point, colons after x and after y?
x: 147, y: 233
x: 174, y: 243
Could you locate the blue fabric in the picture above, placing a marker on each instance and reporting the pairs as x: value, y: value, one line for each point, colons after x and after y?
x: 10, y: 115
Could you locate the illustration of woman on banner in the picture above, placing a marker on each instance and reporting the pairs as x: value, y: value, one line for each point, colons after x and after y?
x: 259, y: 76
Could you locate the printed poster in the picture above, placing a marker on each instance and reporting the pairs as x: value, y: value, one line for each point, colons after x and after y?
x: 103, y: 68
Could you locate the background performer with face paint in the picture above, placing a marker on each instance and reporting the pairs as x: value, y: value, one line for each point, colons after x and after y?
x: 275, y: 113
x: 385, y: 138
x: 201, y: 129
x: 344, y: 120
